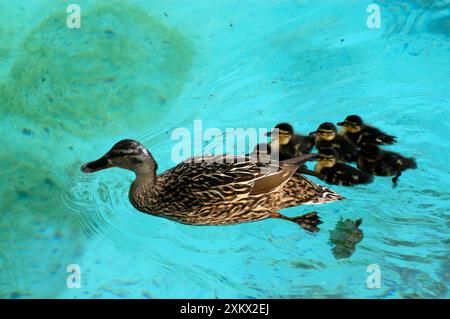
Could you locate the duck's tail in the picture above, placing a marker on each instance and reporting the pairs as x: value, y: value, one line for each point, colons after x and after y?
x: 325, y: 195
x: 303, y: 191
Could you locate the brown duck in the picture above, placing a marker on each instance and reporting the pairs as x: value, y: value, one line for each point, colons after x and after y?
x: 216, y: 190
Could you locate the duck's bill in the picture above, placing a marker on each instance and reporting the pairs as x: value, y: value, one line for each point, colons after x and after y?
x: 341, y: 123
x: 314, y: 133
x: 94, y: 166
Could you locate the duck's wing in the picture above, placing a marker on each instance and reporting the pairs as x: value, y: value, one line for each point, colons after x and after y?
x: 223, y: 171
x: 225, y: 177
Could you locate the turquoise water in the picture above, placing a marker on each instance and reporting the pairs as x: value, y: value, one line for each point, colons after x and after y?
x: 140, y: 69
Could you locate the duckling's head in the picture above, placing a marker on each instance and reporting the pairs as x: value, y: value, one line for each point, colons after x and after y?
x: 352, y: 124
x: 326, y: 131
x: 126, y: 154
x: 370, y: 152
x: 285, y: 133
x: 327, y: 157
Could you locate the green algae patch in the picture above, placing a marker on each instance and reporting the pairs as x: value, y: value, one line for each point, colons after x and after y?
x: 40, y: 235
x: 120, y: 69
x: 119, y: 73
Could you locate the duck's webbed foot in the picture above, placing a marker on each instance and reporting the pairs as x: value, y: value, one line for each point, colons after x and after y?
x: 308, y: 221
x: 395, y: 179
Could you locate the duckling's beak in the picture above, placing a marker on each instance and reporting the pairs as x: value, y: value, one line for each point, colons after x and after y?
x: 340, y: 123
x: 97, y: 165
x: 314, y: 133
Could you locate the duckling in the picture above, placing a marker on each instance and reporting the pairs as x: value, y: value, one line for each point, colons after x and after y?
x: 326, y: 136
x: 376, y: 161
x: 360, y: 133
x: 216, y: 189
x: 344, y: 237
x: 337, y: 173
x: 289, y: 143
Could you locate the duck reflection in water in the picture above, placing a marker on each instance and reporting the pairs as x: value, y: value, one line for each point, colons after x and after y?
x: 344, y: 238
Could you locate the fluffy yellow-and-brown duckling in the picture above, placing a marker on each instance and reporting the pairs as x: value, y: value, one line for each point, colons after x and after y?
x: 334, y: 172
x: 361, y: 133
x: 326, y: 136
x: 376, y: 161
x: 216, y: 190
x: 288, y: 143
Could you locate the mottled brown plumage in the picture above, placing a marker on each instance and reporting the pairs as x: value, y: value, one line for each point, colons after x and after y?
x: 215, y: 190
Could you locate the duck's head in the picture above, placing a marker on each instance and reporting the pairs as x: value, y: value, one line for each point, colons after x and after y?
x: 126, y: 154
x: 370, y: 152
x: 352, y: 124
x: 326, y: 131
x: 327, y: 157
x: 285, y: 133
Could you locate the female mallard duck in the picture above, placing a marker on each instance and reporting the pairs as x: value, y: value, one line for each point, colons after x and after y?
x: 376, y: 161
x: 337, y: 173
x: 360, y: 133
x: 326, y: 136
x: 215, y: 190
